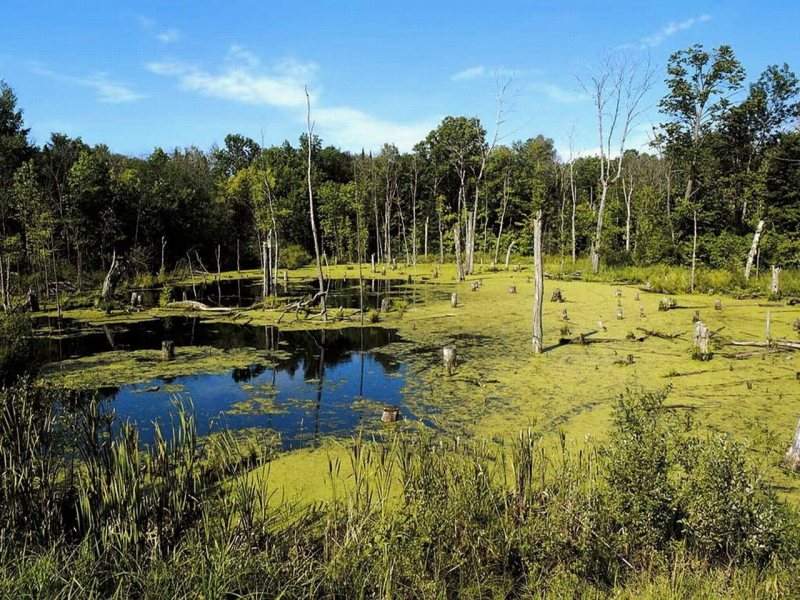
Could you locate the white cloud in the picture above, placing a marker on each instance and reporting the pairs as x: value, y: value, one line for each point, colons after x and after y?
x: 107, y: 90
x: 558, y: 94
x: 355, y: 129
x: 237, y: 82
x: 671, y: 29
x: 168, y: 36
x: 243, y: 79
x: 469, y: 73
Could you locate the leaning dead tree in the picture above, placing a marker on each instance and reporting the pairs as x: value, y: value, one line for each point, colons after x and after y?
x: 751, y: 256
x: 617, y: 90
x: 321, y: 278
x: 112, y: 278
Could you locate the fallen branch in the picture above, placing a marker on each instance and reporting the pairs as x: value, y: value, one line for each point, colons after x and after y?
x: 661, y: 334
x: 195, y: 305
x: 780, y: 344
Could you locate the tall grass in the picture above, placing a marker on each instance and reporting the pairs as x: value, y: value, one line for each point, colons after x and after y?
x: 656, y: 512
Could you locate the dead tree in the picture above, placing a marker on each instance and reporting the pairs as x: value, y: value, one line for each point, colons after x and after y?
x: 793, y: 454
x: 751, y: 256
x: 775, y: 284
x: 617, y: 91
x: 112, y: 278
x: 310, y: 143
x: 538, y: 284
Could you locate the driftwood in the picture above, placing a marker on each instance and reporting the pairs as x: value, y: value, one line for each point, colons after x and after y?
x: 195, y: 305
x: 779, y: 344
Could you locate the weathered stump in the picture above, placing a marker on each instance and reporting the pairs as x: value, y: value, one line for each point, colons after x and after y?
x: 32, y: 302
x: 372, y: 260
x: 718, y: 304
x: 557, y: 296
x: 620, y: 314
x: 618, y: 293
x: 454, y: 300
x: 564, y: 315
x: 775, y: 284
x: 636, y: 297
x: 512, y: 289
x: 696, y: 316
x: 167, y: 350
x: 793, y: 454
x: 475, y: 286
x: 386, y: 304
x: 702, y: 335
x: 641, y: 312
x: 390, y: 414
x: 449, y: 358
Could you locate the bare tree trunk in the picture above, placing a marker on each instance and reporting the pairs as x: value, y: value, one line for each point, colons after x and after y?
x: 321, y: 279
x: 457, y: 242
x: 427, y: 218
x: 753, y: 249
x: 574, y: 193
x: 538, y: 284
x: 627, y: 192
x: 508, y: 252
x: 502, y: 216
x: 694, y: 249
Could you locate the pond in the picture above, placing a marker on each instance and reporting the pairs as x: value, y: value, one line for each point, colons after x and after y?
x: 343, y: 292
x: 321, y: 382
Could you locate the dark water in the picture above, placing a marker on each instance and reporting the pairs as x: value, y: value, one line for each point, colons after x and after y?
x: 342, y: 292
x: 324, y: 382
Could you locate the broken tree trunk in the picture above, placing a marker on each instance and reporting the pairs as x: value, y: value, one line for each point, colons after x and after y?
x: 508, y: 252
x: 701, y: 341
x: 775, y: 285
x: 753, y: 249
x: 112, y: 278
x: 793, y: 454
x: 449, y: 358
x: 538, y: 284
x: 167, y: 350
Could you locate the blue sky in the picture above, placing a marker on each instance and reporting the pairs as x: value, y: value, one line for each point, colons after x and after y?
x: 136, y: 75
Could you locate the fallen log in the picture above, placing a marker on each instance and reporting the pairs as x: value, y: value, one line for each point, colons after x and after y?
x: 199, y: 306
x: 780, y: 344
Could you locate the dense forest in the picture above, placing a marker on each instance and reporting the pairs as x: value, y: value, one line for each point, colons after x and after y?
x: 725, y: 157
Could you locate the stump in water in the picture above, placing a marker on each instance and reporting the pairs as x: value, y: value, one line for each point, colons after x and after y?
x: 666, y: 304
x: 620, y: 314
x: 285, y: 279
x: 618, y: 293
x: 475, y: 286
x: 454, y: 300
x: 167, y: 350
x: 696, y: 316
x: 386, y: 303
x: 564, y: 315
x: 718, y: 304
x: 796, y: 325
x: 565, y: 330
x: 410, y: 280
x: 636, y: 297
x: 793, y: 454
x: 775, y: 284
x: 557, y: 296
x: 32, y: 302
x: 702, y: 336
x: 390, y: 414
x: 449, y: 358
x: 512, y: 289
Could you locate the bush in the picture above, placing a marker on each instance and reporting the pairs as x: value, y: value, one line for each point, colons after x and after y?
x: 293, y: 256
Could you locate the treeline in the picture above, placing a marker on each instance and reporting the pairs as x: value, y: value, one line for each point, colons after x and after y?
x: 726, y: 156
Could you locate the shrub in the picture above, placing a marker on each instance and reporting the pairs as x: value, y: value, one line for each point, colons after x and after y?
x: 293, y: 256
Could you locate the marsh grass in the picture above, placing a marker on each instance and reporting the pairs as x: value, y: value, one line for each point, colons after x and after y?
x: 656, y: 511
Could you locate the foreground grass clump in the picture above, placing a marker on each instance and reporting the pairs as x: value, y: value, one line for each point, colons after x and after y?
x: 656, y: 510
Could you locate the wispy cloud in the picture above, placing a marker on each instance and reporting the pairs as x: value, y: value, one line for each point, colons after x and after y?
x: 672, y: 28
x: 482, y: 71
x: 280, y: 86
x: 558, y: 94
x: 168, y: 35
x: 469, y: 73
x: 243, y: 78
x: 107, y: 90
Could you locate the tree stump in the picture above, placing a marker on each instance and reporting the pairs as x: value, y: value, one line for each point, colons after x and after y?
x: 718, y: 304
x: 641, y: 312
x: 775, y: 284
x: 618, y: 293
x: 696, y: 316
x: 564, y: 315
x: 557, y: 296
x: 386, y: 303
x: 793, y: 454
x: 620, y: 314
x: 449, y: 358
x: 475, y: 286
x: 167, y: 350
x: 702, y: 335
x: 32, y: 301
x: 454, y: 300
x: 390, y: 414
x: 636, y: 297
x: 512, y: 289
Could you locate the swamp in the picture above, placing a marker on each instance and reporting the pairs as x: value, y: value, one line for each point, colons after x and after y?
x: 470, y: 366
